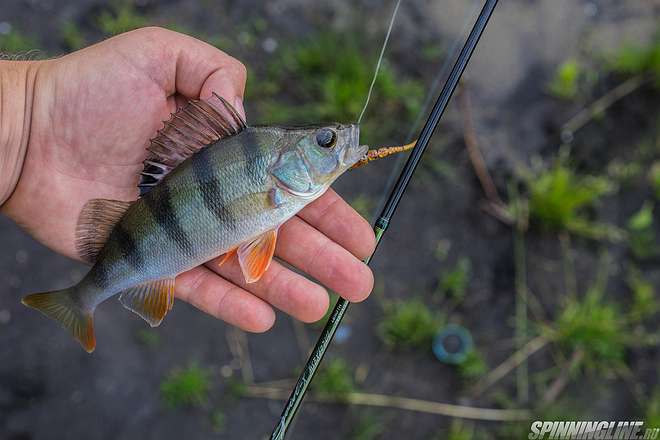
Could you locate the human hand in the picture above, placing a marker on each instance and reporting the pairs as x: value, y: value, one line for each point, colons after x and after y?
x: 92, y: 114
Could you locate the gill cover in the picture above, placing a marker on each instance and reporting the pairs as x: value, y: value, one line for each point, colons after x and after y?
x: 316, y: 157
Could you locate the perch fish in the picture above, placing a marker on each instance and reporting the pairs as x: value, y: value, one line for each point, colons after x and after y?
x: 210, y: 186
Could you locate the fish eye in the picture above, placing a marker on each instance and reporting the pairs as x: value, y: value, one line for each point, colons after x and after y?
x: 326, y: 138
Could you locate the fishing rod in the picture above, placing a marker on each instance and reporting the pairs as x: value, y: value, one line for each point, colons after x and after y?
x: 381, y: 225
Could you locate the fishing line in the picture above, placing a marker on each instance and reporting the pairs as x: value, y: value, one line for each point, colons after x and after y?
x: 380, y: 60
x: 445, y: 67
x: 443, y: 71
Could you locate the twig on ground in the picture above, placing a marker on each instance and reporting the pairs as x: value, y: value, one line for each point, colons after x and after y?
x: 562, y: 380
x: 286, y: 383
x: 238, y: 345
x: 568, y: 264
x: 498, y: 211
x: 535, y: 306
x: 405, y: 403
x: 522, y: 373
x: 600, y: 105
x: 472, y: 146
x: 512, y: 362
x: 302, y: 338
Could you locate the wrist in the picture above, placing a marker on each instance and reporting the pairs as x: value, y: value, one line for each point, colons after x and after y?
x: 17, y: 79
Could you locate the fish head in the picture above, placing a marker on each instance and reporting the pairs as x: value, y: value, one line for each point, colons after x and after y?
x: 317, y: 157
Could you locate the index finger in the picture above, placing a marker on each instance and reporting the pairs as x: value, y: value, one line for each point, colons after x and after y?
x: 195, y: 69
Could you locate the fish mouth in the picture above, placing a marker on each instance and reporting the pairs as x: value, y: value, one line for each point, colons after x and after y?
x: 354, y: 154
x: 354, y: 151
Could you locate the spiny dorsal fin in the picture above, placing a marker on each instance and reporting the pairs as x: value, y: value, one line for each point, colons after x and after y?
x: 194, y: 126
x: 151, y: 301
x: 95, y: 223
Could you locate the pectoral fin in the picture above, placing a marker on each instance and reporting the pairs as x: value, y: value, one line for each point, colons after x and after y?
x: 255, y: 257
x: 151, y: 301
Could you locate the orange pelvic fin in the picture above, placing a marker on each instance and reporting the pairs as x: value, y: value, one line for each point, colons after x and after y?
x: 379, y: 153
x: 255, y: 257
x: 151, y: 301
x: 226, y: 256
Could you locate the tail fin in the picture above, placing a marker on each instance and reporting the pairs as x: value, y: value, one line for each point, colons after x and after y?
x: 61, y: 306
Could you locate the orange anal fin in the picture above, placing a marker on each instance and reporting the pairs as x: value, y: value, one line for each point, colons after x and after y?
x: 226, y: 256
x: 151, y: 301
x: 255, y: 256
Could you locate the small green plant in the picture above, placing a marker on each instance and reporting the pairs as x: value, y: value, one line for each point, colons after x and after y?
x: 334, y: 379
x: 594, y: 326
x: 367, y: 427
x: 458, y: 430
x: 637, y: 60
x: 16, y: 42
x: 442, y: 249
x: 329, y: 87
x: 188, y: 386
x: 455, y: 282
x: 148, y: 337
x: 645, y: 303
x: 642, y: 234
x: 235, y: 389
x: 564, y: 84
x: 72, y: 36
x: 408, y: 324
x: 654, y: 178
x: 122, y: 18
x: 558, y: 196
x: 364, y: 205
x: 218, y: 421
x: 433, y: 168
x: 512, y: 430
x: 473, y: 367
x: 433, y: 51
x: 652, y: 413
x: 624, y: 172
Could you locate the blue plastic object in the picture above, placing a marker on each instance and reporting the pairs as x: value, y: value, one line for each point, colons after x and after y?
x: 452, y: 344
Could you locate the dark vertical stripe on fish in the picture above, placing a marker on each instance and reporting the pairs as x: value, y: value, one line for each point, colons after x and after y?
x: 159, y: 203
x: 128, y: 247
x: 100, y: 276
x: 251, y: 148
x: 211, y: 190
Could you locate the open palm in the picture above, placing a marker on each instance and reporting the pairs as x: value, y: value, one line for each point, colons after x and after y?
x: 93, y: 113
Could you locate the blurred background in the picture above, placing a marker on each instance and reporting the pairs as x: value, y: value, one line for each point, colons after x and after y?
x: 520, y: 273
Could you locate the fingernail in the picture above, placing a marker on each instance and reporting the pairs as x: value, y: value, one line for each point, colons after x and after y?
x: 238, y: 105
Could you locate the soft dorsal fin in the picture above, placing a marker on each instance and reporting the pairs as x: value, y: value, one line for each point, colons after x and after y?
x: 194, y: 126
x: 95, y: 223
